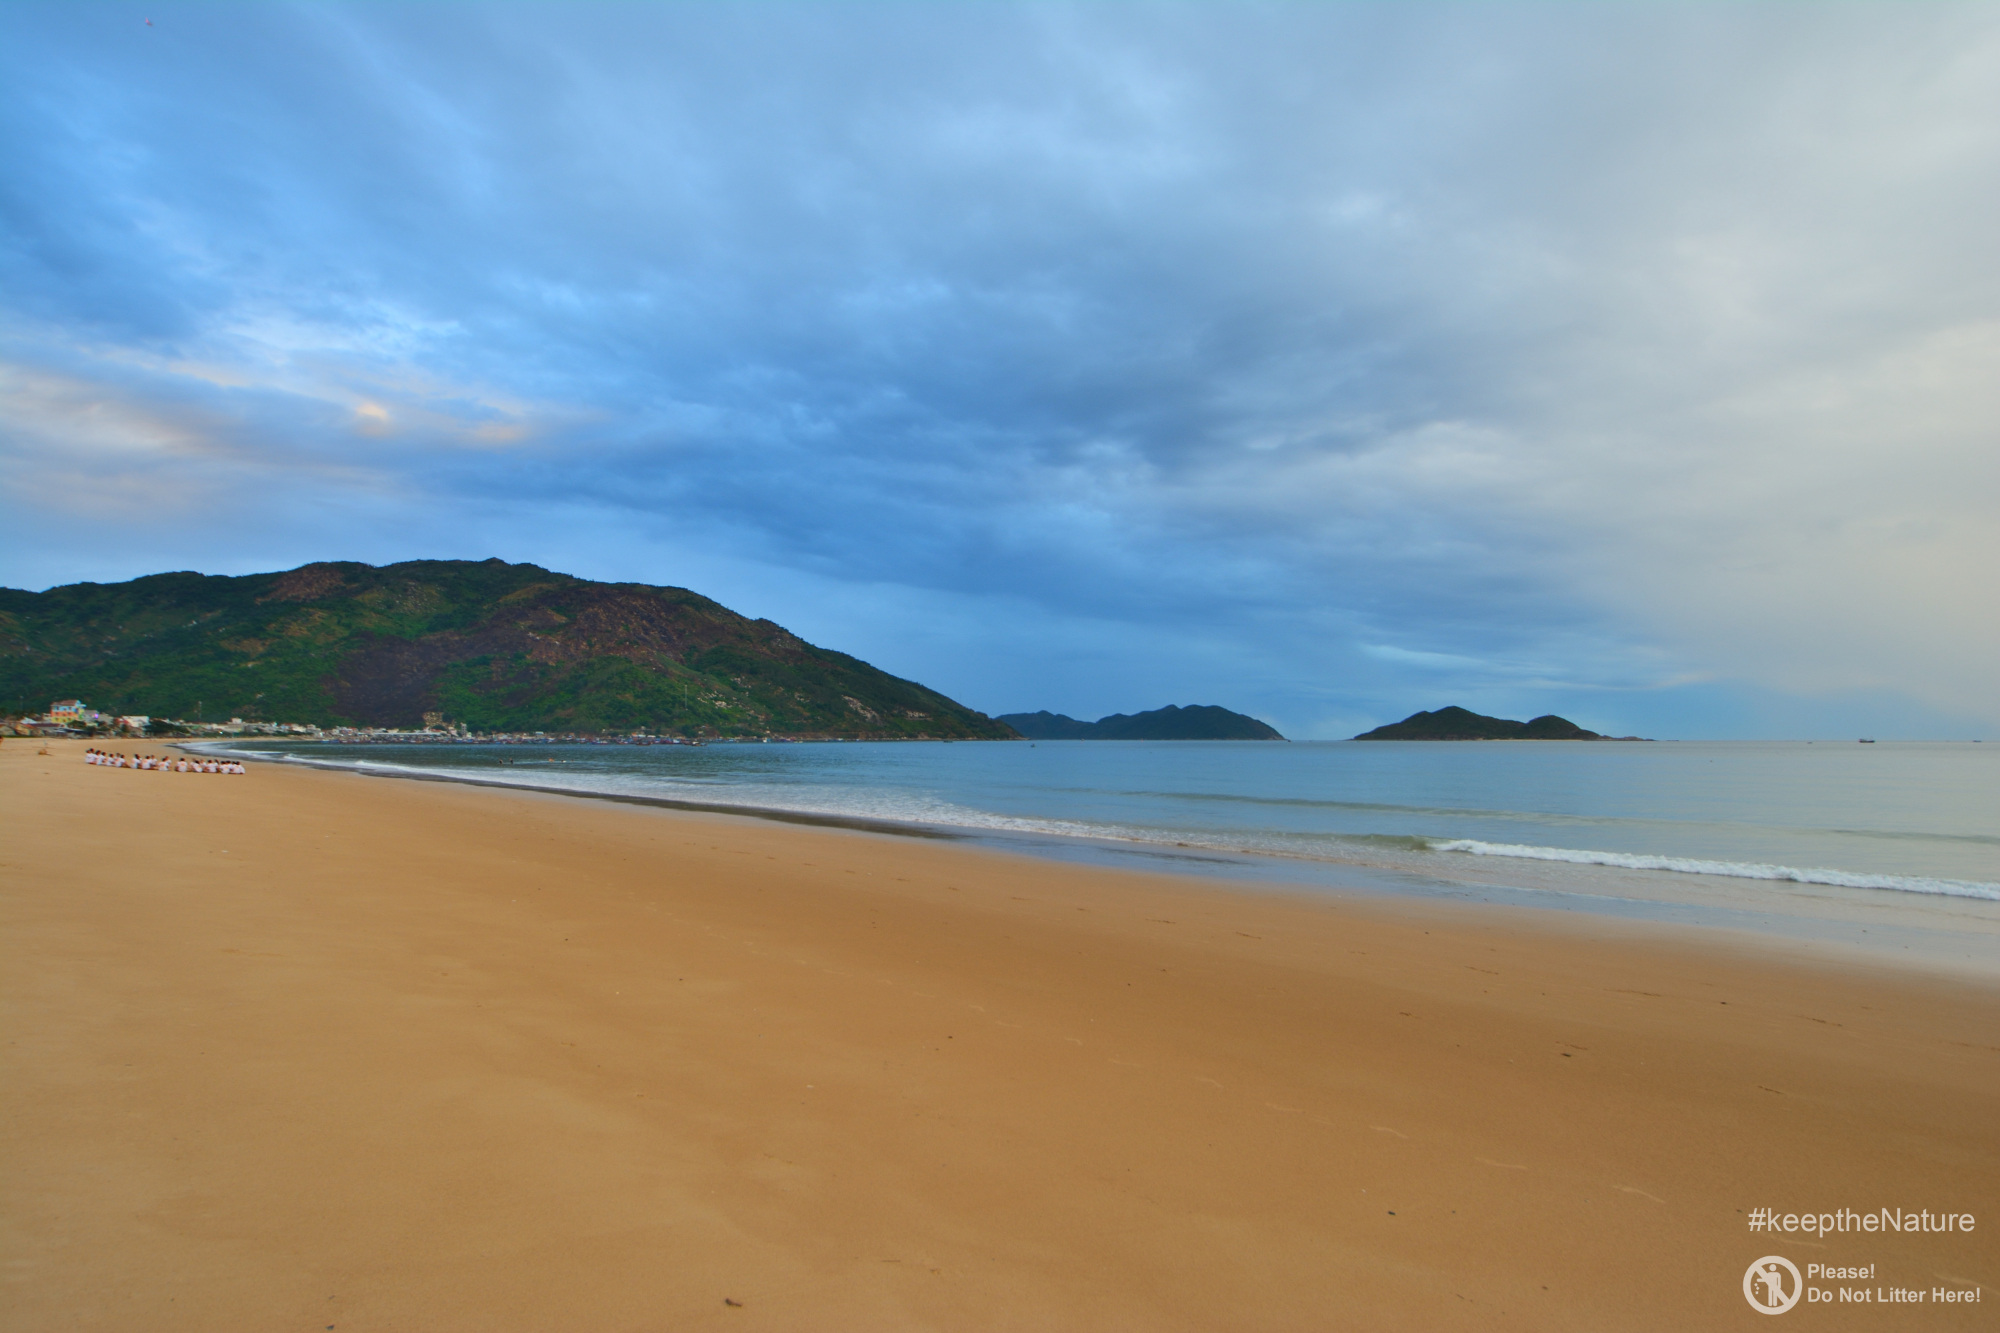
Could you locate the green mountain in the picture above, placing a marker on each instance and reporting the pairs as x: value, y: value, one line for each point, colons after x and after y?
x: 495, y: 646
x: 1047, y: 726
x: 1461, y: 724
x: 1197, y: 722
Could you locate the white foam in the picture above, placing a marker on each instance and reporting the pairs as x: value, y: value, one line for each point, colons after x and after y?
x: 1954, y: 888
x: 862, y: 803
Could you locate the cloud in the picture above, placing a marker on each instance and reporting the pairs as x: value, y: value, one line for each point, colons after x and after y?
x: 1337, y: 356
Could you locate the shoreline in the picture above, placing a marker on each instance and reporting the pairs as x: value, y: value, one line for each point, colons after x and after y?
x: 852, y: 823
x: 1925, y: 932
x: 292, y: 1049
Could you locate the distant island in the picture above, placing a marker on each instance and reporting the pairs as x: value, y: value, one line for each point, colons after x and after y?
x: 450, y: 645
x: 1462, y: 724
x: 1196, y: 722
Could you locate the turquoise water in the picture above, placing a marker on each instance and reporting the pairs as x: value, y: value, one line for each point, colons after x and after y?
x: 1891, y: 818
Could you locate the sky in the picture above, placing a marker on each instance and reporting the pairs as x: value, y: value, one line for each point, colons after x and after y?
x: 1634, y: 362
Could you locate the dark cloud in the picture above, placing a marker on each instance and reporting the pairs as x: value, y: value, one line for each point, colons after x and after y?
x: 1343, y: 355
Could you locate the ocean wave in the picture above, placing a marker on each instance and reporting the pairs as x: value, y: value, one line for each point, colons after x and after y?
x: 1847, y: 879
x: 875, y: 805
x: 711, y: 795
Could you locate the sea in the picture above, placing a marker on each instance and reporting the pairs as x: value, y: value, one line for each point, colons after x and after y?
x: 1819, y: 841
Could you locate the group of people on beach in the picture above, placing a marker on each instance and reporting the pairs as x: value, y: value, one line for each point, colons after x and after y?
x: 159, y: 763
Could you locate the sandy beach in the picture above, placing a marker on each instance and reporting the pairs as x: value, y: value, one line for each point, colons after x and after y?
x: 300, y: 1049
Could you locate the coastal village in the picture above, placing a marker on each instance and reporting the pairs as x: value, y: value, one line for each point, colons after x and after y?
x: 75, y: 718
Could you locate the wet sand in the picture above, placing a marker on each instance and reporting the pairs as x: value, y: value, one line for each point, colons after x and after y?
x: 302, y: 1049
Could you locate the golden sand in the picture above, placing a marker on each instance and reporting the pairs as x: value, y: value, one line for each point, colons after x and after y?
x: 301, y: 1050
